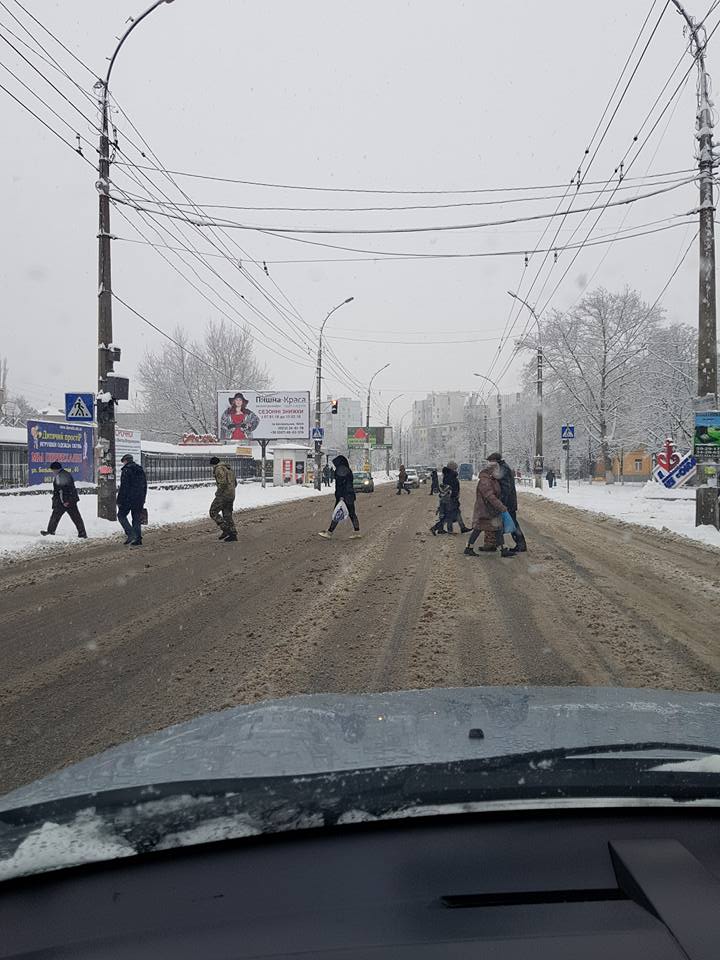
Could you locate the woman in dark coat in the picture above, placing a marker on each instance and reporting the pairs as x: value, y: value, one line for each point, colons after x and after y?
x: 434, y: 482
x: 344, y: 490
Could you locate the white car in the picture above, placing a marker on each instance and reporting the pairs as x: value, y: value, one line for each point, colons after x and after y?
x: 413, y: 480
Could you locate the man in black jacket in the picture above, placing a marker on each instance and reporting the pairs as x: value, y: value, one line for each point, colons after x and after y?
x: 456, y: 514
x: 64, y: 500
x: 344, y: 490
x: 508, y: 495
x: 131, y: 499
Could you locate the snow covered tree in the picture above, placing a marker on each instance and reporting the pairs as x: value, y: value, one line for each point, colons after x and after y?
x: 595, y: 357
x: 179, y: 383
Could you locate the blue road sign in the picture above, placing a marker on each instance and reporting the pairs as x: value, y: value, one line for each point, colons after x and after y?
x: 79, y: 407
x: 318, y: 433
x: 567, y: 431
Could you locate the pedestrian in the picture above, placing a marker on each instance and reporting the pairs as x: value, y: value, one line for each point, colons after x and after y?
x: 131, y: 499
x: 508, y: 495
x: 344, y: 490
x: 402, y: 483
x: 445, y: 508
x: 434, y: 482
x: 326, y: 475
x: 550, y: 477
x: 64, y: 500
x: 487, y: 515
x: 221, y: 509
x: 455, y: 485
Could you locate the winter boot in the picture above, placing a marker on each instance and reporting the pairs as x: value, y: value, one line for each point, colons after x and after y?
x: 223, y: 535
x: 469, y: 552
x: 231, y: 538
x: 507, y: 552
x: 355, y: 536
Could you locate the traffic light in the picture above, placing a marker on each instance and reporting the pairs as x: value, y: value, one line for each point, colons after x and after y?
x: 333, y: 406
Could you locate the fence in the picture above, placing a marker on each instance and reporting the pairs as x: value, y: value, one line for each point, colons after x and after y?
x: 13, y: 465
x: 159, y: 467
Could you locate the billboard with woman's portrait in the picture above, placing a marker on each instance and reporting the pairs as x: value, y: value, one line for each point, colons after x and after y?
x: 263, y: 415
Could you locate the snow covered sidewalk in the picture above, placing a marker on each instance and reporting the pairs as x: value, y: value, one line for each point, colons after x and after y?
x: 648, y: 505
x: 22, y: 518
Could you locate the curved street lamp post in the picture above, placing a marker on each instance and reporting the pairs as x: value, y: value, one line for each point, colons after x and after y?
x: 107, y: 354
x: 387, y: 450
x: 539, y: 413
x: 318, y: 389
x: 368, y: 465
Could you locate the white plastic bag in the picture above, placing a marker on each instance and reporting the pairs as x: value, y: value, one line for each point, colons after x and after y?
x: 340, y: 512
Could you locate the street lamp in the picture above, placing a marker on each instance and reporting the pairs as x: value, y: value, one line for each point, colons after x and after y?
x: 318, y: 378
x: 539, y: 412
x: 106, y: 480
x: 387, y: 449
x: 368, y: 465
x: 400, y: 432
x: 499, y: 408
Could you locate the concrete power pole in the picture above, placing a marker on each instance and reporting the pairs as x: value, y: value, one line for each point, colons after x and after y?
x: 109, y: 388
x: 318, y: 392
x: 706, y: 502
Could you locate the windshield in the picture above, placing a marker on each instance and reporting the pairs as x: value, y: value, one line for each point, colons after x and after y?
x: 224, y: 343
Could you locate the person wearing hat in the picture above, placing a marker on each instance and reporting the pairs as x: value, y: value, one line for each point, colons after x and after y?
x: 238, y: 422
x: 508, y: 495
x: 131, y: 499
x: 221, y: 509
x: 487, y: 515
x: 65, y: 499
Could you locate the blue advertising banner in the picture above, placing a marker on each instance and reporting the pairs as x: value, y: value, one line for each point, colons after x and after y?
x: 69, y: 443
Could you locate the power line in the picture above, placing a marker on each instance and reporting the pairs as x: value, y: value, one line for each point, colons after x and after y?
x: 379, y: 256
x: 56, y: 39
x: 46, y: 125
x: 431, y: 206
x: 284, y: 231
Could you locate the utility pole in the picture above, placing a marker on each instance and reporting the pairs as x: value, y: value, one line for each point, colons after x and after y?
x: 499, y: 410
x: 485, y: 431
x: 368, y: 462
x: 318, y: 393
x: 107, y: 354
x: 706, y: 497
x: 538, y: 471
x: 387, y: 449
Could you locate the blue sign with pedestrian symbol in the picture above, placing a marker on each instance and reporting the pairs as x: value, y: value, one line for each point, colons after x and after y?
x: 79, y: 407
x: 318, y: 433
x: 567, y: 431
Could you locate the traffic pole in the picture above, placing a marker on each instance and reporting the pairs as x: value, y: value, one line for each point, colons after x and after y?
x: 318, y: 442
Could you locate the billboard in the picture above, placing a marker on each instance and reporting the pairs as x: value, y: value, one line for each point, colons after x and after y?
x: 706, y: 442
x: 263, y: 415
x: 380, y: 438
x: 69, y: 443
x: 126, y: 441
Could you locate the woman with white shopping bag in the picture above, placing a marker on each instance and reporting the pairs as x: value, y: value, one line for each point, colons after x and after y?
x: 344, y: 499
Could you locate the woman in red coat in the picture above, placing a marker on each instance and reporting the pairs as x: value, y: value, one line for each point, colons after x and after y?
x: 488, y: 509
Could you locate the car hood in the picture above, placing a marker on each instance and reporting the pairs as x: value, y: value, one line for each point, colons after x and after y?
x: 330, y: 733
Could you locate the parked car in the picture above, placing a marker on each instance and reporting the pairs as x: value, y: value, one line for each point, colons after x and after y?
x: 465, y: 471
x: 422, y: 472
x: 413, y: 480
x: 363, y: 482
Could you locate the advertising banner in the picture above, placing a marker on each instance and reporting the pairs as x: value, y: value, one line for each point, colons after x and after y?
x: 126, y: 441
x: 380, y: 438
x: 706, y: 442
x: 69, y: 443
x: 263, y: 415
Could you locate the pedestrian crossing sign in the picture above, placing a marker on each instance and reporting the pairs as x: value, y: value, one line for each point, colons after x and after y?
x: 567, y: 431
x: 79, y: 406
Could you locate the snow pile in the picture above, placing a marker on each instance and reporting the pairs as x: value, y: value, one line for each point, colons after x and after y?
x: 53, y: 845
x: 666, y: 510
x: 22, y: 518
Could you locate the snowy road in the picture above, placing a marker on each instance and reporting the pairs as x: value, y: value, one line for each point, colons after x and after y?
x: 100, y: 643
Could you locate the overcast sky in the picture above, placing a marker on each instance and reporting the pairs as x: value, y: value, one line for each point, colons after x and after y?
x: 379, y: 95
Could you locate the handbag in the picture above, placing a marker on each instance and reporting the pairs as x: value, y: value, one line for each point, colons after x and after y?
x: 508, y: 524
x: 143, y: 515
x: 340, y: 512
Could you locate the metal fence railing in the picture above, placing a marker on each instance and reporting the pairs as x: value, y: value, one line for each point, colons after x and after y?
x: 159, y: 467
